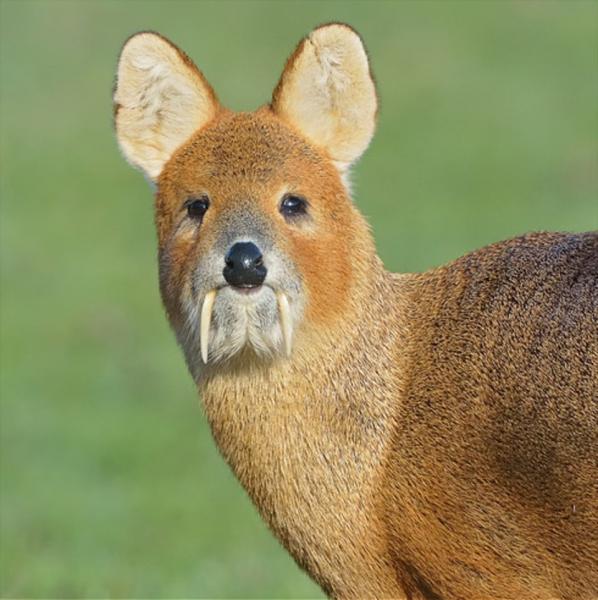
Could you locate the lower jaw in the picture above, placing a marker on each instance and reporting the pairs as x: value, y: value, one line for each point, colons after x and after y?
x: 284, y: 315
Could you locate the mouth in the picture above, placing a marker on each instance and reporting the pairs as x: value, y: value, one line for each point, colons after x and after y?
x: 284, y: 315
x: 246, y: 289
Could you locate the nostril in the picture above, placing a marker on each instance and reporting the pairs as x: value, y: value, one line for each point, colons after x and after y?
x: 259, y: 261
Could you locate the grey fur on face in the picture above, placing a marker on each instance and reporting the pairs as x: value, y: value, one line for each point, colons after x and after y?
x: 239, y: 320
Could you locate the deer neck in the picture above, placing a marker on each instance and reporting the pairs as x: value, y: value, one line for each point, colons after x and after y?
x: 307, y: 437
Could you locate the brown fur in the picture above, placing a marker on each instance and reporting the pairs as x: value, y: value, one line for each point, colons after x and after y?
x: 433, y: 436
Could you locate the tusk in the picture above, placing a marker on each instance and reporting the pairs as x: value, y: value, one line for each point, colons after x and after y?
x: 206, y: 318
x: 285, y: 320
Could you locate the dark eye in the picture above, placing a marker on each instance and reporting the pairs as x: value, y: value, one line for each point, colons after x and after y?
x: 197, y: 207
x: 292, y: 206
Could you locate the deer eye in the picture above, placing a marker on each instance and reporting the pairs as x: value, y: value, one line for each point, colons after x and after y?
x: 292, y: 206
x: 197, y: 207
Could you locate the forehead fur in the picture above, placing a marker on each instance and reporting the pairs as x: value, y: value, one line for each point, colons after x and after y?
x: 254, y: 146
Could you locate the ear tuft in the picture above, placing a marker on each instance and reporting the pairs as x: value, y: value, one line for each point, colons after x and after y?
x: 160, y: 100
x: 327, y: 92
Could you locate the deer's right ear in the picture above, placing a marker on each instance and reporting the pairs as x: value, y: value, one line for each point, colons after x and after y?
x: 160, y: 99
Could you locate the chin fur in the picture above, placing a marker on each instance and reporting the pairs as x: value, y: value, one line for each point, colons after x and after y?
x: 241, y: 322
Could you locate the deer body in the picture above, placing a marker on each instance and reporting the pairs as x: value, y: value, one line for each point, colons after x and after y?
x: 429, y: 436
x: 443, y: 452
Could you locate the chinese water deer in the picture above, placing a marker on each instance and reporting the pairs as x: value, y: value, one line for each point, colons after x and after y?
x: 424, y: 436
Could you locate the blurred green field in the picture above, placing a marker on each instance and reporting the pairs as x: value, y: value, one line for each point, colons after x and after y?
x: 110, y: 483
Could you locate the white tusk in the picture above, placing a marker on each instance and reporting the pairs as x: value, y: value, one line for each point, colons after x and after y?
x: 285, y: 320
x: 206, y: 318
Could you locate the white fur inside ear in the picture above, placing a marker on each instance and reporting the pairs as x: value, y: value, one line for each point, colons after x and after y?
x: 160, y: 98
x: 327, y: 92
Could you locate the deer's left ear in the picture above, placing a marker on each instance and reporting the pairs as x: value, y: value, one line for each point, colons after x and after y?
x: 327, y: 92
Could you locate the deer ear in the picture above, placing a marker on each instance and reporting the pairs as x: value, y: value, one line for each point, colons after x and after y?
x: 160, y: 99
x: 327, y: 92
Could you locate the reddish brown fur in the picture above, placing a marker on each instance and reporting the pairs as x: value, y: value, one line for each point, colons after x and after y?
x: 495, y: 448
x: 434, y: 436
x: 251, y: 157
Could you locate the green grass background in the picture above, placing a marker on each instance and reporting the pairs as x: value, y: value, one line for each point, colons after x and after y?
x: 110, y: 482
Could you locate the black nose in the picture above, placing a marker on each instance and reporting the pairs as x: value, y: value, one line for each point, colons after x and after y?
x: 244, y: 265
